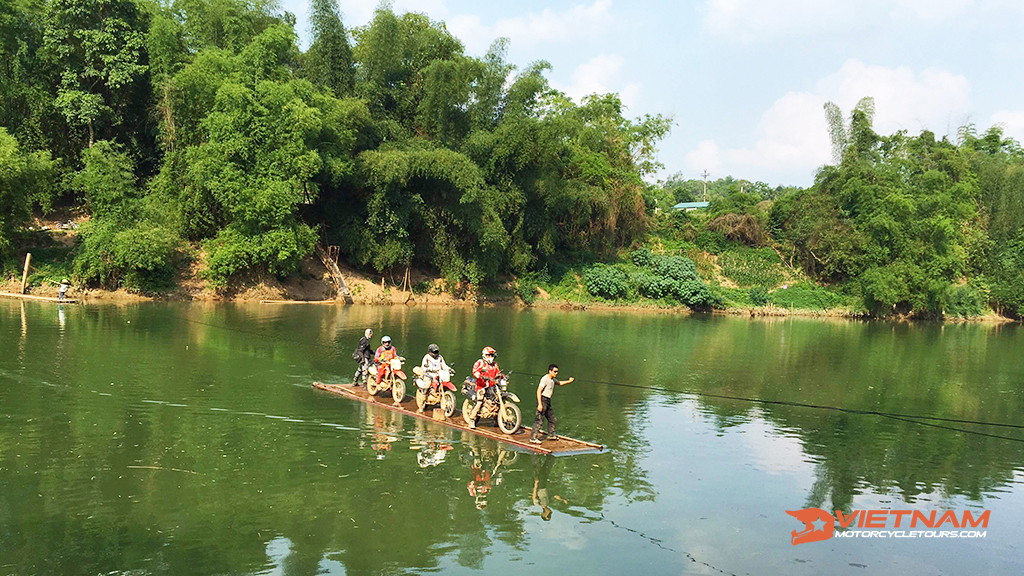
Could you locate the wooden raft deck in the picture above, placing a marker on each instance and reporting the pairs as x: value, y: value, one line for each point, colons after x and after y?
x: 564, y: 446
x: 38, y: 298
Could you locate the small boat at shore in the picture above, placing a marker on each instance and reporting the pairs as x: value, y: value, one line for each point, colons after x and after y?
x: 563, y: 446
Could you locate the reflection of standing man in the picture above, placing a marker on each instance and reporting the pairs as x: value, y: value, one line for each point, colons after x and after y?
x: 544, y: 391
x: 540, y: 486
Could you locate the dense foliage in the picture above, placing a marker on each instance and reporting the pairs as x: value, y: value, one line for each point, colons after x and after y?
x: 197, y: 131
x: 177, y: 123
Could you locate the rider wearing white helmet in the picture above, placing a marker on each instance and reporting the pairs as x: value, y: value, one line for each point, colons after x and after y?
x: 486, y: 372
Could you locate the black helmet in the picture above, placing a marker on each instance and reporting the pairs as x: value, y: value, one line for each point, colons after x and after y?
x: 434, y: 349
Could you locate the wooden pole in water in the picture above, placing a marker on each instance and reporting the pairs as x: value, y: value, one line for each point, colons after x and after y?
x: 24, y: 275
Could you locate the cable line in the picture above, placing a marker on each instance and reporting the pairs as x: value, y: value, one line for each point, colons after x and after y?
x: 911, y: 417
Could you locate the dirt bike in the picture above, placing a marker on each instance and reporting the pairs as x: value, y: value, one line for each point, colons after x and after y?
x: 499, y: 404
x: 393, y: 380
x: 439, y: 392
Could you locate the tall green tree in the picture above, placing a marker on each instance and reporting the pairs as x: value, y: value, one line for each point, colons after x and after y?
x: 99, y: 50
x: 26, y: 180
x: 328, y: 62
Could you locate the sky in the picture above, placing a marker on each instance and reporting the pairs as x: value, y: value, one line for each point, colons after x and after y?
x: 745, y: 81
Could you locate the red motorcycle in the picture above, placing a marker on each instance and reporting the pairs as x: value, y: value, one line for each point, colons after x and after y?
x: 394, y: 380
x: 435, y: 392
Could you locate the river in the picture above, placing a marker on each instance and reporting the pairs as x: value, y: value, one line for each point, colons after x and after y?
x: 175, y: 438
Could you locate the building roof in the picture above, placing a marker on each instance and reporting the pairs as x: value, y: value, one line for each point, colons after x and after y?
x: 690, y: 205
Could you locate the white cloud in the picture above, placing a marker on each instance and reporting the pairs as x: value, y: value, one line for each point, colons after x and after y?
x: 1012, y: 122
x: 760, y: 20
x: 579, y: 21
x: 599, y: 75
x: 792, y: 135
x: 707, y: 156
x: 359, y: 12
x: 932, y: 99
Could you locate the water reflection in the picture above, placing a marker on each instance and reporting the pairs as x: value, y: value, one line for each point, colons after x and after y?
x: 485, y: 460
x: 88, y: 466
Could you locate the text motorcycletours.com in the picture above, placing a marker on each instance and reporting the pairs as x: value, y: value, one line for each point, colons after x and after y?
x: 911, y: 534
x: 822, y: 525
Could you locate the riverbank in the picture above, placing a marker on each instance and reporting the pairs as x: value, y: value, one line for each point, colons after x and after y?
x: 313, y: 286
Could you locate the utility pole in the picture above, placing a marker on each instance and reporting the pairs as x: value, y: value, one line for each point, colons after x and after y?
x: 705, y: 175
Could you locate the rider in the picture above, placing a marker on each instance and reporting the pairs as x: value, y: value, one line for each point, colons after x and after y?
x: 383, y: 357
x: 432, y: 365
x: 486, y: 371
x: 363, y: 355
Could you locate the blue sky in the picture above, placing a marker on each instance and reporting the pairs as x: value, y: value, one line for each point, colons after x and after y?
x: 745, y: 80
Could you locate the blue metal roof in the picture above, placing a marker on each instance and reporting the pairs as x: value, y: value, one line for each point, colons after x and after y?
x: 690, y: 205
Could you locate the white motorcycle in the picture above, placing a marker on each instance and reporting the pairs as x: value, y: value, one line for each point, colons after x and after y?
x: 439, y: 392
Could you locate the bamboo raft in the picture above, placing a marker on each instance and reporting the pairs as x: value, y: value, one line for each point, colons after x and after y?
x: 564, y: 446
x: 38, y: 298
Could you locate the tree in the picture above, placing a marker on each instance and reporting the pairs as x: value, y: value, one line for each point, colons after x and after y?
x: 131, y: 241
x: 98, y: 47
x: 26, y: 179
x: 328, y: 62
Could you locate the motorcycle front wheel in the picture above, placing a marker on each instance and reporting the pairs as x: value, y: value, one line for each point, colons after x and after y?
x: 510, y: 418
x: 448, y: 403
x: 467, y: 408
x: 398, y: 390
x: 371, y: 385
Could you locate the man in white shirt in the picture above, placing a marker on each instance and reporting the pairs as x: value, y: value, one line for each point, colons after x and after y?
x: 544, y: 391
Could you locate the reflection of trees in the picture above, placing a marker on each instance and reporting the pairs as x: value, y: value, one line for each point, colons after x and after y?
x: 324, y: 493
x: 961, y: 372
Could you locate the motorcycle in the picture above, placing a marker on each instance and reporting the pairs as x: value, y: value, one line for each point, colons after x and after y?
x: 439, y: 392
x: 499, y: 404
x: 393, y: 380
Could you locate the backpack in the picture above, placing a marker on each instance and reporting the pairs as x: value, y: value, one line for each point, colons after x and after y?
x: 357, y: 355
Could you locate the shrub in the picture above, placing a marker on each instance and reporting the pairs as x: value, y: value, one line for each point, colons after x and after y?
x: 655, y: 287
x: 641, y: 257
x: 526, y: 288
x: 711, y: 241
x: 806, y: 297
x: 964, y: 301
x: 741, y: 228
x: 606, y: 282
x: 752, y: 268
x: 758, y: 296
x: 674, y: 267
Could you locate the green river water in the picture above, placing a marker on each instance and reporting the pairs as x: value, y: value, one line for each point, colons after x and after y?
x: 186, y: 439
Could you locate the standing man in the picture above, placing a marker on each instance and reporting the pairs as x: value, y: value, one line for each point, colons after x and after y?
x: 364, y: 356
x: 544, y: 391
x: 62, y: 290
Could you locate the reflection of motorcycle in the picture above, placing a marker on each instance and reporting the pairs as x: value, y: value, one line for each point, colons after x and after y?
x: 383, y: 435
x: 435, y: 392
x: 432, y: 454
x: 485, y: 477
x: 394, y: 380
x: 499, y: 404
